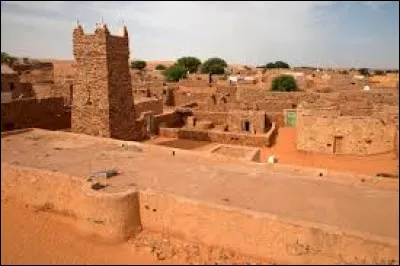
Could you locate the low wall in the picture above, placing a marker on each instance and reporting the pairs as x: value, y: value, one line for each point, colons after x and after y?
x: 147, y: 105
x: 47, y: 113
x: 111, y: 215
x: 123, y: 214
x: 247, y: 139
x: 255, y: 233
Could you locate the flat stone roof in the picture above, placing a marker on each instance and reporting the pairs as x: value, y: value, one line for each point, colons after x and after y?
x: 289, y: 193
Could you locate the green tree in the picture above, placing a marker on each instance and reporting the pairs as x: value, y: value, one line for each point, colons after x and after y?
x: 277, y: 64
x: 4, y: 57
x: 161, y: 67
x: 214, y: 66
x: 138, y: 64
x: 284, y: 83
x: 270, y: 65
x: 190, y: 63
x: 281, y: 64
x: 175, y: 73
x: 364, y: 71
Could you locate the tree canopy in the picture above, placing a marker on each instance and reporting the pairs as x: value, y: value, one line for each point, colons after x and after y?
x: 214, y: 65
x: 284, y: 83
x: 277, y: 64
x: 364, y: 71
x: 7, y: 58
x: 161, y: 67
x: 190, y: 63
x: 175, y: 73
x: 138, y: 64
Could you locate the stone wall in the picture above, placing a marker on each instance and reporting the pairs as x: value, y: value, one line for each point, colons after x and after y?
x: 102, y: 96
x: 28, y: 113
x: 258, y: 121
x: 235, y: 138
x: 327, y: 132
x: 148, y: 105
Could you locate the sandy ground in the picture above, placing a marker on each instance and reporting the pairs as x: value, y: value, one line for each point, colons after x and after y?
x: 30, y: 236
x: 286, y: 152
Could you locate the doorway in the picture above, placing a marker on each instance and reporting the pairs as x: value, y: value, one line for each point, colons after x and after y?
x: 150, y: 124
x: 338, y: 145
x: 246, y: 126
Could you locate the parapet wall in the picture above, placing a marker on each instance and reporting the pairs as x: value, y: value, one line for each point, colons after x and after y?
x: 114, y: 215
x: 47, y: 113
x: 120, y: 215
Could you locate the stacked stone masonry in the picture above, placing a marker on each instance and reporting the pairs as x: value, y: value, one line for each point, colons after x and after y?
x: 102, y: 101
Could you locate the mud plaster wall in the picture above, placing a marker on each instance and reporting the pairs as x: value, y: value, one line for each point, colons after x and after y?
x: 45, y: 113
x: 183, y: 97
x: 344, y: 134
x: 120, y: 215
x: 112, y: 215
x: 252, y: 233
x: 103, y: 102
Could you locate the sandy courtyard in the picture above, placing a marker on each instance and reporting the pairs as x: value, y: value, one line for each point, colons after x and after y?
x: 286, y: 152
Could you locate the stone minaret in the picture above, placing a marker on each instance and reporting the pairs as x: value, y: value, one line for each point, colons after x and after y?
x: 103, y: 102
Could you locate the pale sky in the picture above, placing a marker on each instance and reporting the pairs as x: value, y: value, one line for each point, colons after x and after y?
x: 321, y: 34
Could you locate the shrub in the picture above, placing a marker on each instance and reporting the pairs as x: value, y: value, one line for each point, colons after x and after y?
x: 344, y: 72
x: 214, y: 66
x: 284, y: 83
x: 190, y: 63
x: 161, y: 67
x: 379, y: 72
x: 175, y: 73
x: 138, y: 64
x: 363, y: 71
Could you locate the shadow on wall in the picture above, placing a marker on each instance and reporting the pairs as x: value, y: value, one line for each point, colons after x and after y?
x: 15, y: 132
x: 272, y: 139
x: 184, y: 144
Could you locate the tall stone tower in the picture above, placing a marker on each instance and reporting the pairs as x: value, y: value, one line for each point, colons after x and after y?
x: 103, y: 102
